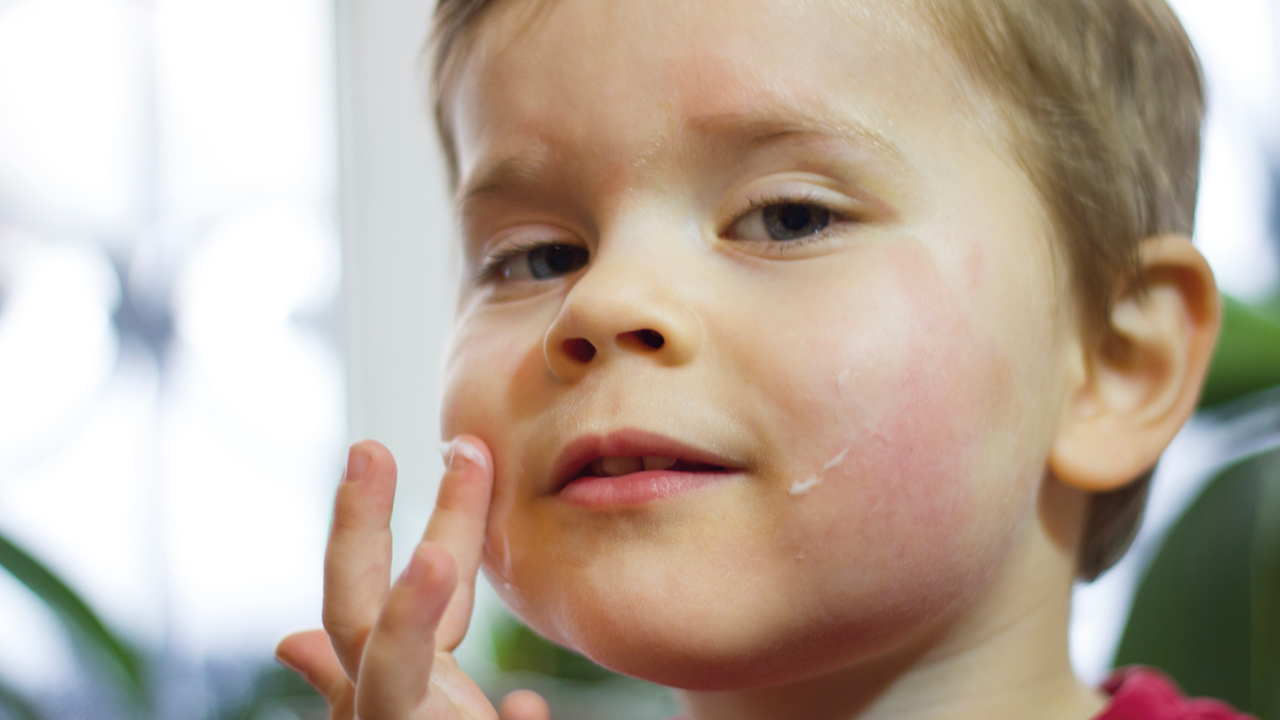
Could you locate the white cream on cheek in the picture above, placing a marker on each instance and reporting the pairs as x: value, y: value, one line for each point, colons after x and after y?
x: 802, y: 487
x: 893, y: 453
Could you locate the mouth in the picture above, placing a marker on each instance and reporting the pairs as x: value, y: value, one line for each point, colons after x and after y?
x: 636, y: 455
x: 616, y: 465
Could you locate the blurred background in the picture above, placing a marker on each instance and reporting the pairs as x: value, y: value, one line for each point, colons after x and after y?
x: 224, y: 254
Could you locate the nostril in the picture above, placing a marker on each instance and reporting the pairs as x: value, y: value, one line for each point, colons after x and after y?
x: 651, y: 338
x: 580, y: 349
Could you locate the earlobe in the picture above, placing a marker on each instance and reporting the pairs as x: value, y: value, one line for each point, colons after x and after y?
x: 1143, y: 377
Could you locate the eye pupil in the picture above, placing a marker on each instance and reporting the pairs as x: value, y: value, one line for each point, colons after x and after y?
x: 793, y: 217
x: 787, y: 221
x: 551, y: 261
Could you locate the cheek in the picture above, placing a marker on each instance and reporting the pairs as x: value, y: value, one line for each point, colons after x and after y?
x: 898, y: 423
x: 489, y: 379
x: 495, y: 377
x: 492, y: 389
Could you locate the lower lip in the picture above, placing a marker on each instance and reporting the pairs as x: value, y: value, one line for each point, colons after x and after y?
x: 638, y: 488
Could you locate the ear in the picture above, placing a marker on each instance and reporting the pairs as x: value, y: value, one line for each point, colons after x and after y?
x: 1140, y: 381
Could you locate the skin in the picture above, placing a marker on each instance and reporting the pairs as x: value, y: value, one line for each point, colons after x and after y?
x: 914, y: 368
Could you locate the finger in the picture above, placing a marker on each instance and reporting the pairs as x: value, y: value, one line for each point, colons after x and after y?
x: 395, y: 672
x: 524, y: 705
x: 458, y: 524
x: 357, y: 563
x: 311, y: 655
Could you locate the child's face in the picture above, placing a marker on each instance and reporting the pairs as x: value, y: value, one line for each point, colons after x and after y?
x: 859, y: 312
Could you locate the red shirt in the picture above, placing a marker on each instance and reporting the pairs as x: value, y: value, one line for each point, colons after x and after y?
x: 1144, y: 694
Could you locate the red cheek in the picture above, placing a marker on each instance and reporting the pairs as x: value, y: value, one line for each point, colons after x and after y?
x: 914, y: 467
x: 923, y: 408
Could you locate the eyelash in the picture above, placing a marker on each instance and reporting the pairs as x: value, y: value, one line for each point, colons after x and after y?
x: 493, y: 267
x: 807, y: 198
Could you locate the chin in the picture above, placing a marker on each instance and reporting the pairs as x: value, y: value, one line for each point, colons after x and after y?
x: 689, y: 644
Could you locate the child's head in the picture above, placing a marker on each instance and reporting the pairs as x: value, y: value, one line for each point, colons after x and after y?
x: 872, y: 271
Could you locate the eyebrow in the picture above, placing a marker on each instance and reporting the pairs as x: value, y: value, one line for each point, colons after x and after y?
x: 508, y: 172
x: 745, y: 131
x: 751, y: 130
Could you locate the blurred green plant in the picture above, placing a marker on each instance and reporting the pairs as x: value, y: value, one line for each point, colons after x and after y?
x: 19, y: 706
x: 1247, y: 358
x: 115, y: 656
x: 125, y: 669
x: 516, y: 648
x: 1207, y: 611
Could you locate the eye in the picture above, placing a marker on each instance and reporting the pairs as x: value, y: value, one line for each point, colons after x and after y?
x: 781, y: 221
x: 539, y: 262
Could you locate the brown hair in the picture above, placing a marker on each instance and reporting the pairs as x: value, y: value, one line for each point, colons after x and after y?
x: 1101, y: 101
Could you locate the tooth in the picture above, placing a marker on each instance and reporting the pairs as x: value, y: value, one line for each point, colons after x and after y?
x: 654, y: 462
x: 620, y: 465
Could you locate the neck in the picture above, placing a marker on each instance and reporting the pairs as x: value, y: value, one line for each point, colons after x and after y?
x: 1003, y: 657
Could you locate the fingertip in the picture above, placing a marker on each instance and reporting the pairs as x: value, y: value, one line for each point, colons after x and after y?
x: 474, y: 450
x: 288, y: 655
x: 431, y: 571
x: 294, y: 648
x: 524, y: 705
x: 368, y: 455
x: 371, y: 446
x: 467, y: 449
x: 311, y: 656
x: 467, y: 485
x: 367, y: 491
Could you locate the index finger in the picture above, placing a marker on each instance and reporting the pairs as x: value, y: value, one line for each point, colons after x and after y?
x: 458, y: 524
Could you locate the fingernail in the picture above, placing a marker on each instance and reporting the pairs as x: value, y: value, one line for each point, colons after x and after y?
x: 357, y: 464
x: 460, y: 451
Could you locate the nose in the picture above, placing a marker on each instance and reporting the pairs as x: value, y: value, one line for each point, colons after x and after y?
x: 616, y: 311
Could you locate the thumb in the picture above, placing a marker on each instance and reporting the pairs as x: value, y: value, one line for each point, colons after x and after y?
x: 311, y: 655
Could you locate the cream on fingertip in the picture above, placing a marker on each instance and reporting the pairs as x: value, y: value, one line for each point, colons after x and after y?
x: 470, y: 452
x: 460, y: 448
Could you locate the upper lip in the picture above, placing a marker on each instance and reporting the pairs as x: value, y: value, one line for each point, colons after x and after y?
x: 586, y: 449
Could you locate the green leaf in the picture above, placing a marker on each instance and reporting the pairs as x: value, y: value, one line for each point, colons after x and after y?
x: 516, y: 648
x: 1247, y: 358
x: 1266, y: 592
x: 1205, y: 613
x: 75, y: 613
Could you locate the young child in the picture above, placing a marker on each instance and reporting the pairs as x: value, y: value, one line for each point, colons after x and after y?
x: 806, y: 353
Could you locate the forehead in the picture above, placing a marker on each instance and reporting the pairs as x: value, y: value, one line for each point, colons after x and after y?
x: 614, y: 85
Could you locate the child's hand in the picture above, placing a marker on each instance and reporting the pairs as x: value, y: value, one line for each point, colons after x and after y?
x: 387, y: 654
